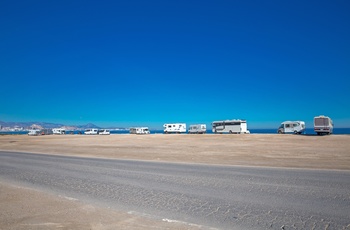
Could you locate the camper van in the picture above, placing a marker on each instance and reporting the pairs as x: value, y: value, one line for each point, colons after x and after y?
x: 230, y: 126
x: 323, y: 125
x: 296, y: 127
x: 34, y: 132
x: 91, y: 132
x: 58, y: 131
x: 104, y: 132
x: 175, y: 128
x: 139, y: 130
x: 201, y: 128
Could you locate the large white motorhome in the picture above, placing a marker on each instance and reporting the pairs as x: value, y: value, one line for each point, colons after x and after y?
x: 296, y: 127
x: 58, y: 131
x: 139, y: 130
x: 201, y: 128
x: 91, y: 132
x: 175, y: 128
x: 230, y: 126
x: 323, y: 125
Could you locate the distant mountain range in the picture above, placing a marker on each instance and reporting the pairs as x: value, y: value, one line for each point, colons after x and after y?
x: 47, y: 125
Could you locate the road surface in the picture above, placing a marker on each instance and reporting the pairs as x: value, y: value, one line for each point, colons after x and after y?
x: 223, y: 197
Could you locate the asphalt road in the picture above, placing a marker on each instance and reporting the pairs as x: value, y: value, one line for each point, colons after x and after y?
x: 224, y: 197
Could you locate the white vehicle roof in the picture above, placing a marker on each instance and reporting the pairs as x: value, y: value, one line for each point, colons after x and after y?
x: 322, y: 116
x: 234, y: 120
x: 286, y: 122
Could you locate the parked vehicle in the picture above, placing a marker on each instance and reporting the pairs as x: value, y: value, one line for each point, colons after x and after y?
x: 46, y: 131
x: 34, y: 132
x: 139, y: 130
x: 200, y: 129
x: 175, y: 128
x: 104, y: 132
x: 323, y: 125
x: 91, y: 132
x: 58, y: 131
x: 230, y: 126
x: 296, y: 127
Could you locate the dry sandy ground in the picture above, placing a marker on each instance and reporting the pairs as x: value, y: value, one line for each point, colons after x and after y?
x: 300, y: 151
x: 21, y: 208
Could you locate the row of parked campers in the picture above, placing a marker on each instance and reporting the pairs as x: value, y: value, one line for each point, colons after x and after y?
x: 225, y: 126
x: 97, y: 132
x: 322, y: 125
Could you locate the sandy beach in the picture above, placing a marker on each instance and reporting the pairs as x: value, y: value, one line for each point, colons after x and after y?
x: 23, y: 208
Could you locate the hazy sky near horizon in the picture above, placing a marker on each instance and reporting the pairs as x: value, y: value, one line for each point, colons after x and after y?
x: 128, y: 63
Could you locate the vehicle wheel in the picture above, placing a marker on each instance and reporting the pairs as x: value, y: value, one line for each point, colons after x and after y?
x: 230, y: 132
x: 295, y: 132
x: 279, y: 131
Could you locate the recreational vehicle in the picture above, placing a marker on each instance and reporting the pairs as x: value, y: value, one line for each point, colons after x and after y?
x: 34, y: 132
x: 230, y: 126
x: 91, y: 132
x: 58, y: 131
x: 296, y: 127
x: 202, y: 128
x: 323, y: 125
x: 104, y: 132
x: 139, y: 130
x: 175, y: 128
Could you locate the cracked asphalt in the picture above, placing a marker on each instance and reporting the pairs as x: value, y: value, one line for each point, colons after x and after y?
x: 208, y: 196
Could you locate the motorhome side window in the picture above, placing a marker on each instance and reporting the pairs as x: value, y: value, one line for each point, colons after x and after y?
x: 287, y: 125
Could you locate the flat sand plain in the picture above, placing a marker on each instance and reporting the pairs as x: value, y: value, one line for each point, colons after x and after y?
x: 23, y: 208
x: 271, y: 150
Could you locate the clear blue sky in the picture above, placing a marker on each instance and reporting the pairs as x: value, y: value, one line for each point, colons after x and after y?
x: 126, y: 63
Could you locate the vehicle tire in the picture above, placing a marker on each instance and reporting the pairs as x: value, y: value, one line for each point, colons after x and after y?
x: 295, y: 132
x: 279, y: 131
x: 230, y: 131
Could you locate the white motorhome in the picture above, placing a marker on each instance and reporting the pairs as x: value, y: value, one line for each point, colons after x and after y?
x: 323, y: 125
x: 139, y: 130
x: 34, y: 132
x: 58, y: 131
x: 201, y: 128
x: 175, y: 128
x: 91, y: 132
x: 104, y: 132
x: 296, y: 127
x: 230, y: 126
